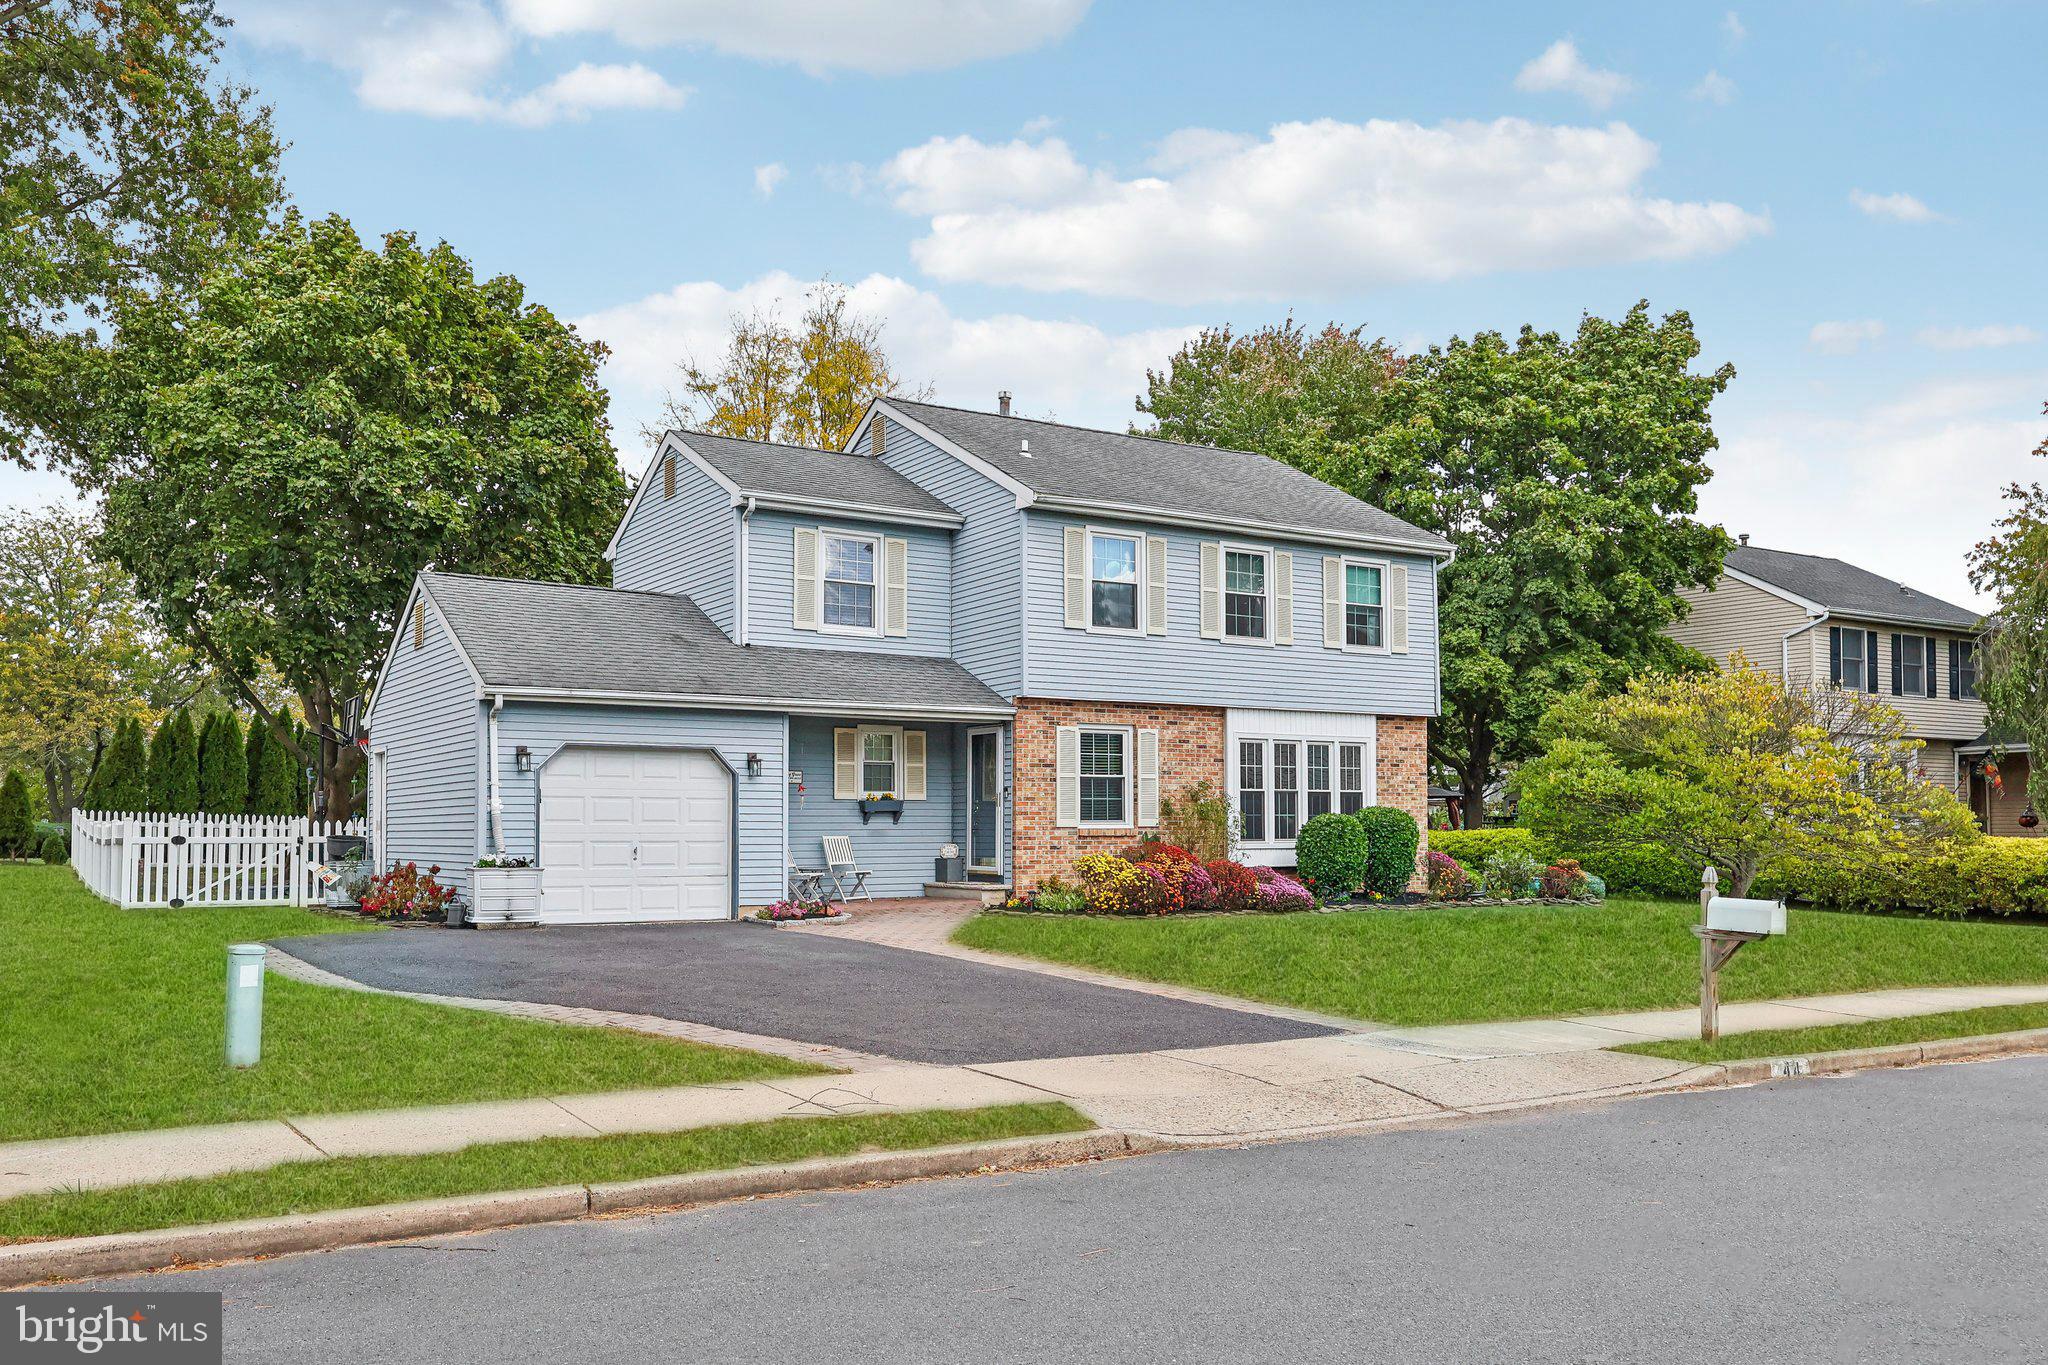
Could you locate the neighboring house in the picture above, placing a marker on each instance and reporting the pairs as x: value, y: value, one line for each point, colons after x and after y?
x: 1812, y: 619
x: 1024, y: 634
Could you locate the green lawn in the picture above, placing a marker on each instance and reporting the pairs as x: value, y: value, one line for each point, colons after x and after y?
x: 1515, y: 962
x: 113, y: 1020
x: 1793, y: 1042
x: 357, y: 1182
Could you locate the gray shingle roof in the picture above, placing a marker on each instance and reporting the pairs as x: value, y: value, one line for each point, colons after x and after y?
x: 813, y: 475
x: 1847, y: 590
x: 522, y: 634
x: 1108, y: 468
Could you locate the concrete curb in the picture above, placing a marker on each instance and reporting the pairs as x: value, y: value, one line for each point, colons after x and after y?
x: 1756, y: 1069
x: 171, y: 1248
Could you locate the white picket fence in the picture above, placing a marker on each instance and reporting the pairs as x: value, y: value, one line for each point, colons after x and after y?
x: 139, y: 861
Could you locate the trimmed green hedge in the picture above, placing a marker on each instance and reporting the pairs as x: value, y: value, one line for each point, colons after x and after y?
x: 1392, y: 838
x: 1636, y: 872
x: 1471, y: 846
x: 1993, y: 875
x: 1331, y: 851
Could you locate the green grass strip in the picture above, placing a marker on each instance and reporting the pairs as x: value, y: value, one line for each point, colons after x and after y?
x: 1445, y: 966
x: 1794, y: 1042
x: 358, y: 1182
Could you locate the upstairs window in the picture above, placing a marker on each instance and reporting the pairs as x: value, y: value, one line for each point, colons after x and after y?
x: 1965, y: 679
x: 1244, y: 594
x: 1365, y: 606
x: 1112, y: 581
x: 849, y: 596
x: 1912, y: 665
x: 1855, y: 668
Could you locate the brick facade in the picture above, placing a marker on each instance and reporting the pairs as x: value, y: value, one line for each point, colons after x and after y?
x: 1190, y: 751
x: 1401, y: 774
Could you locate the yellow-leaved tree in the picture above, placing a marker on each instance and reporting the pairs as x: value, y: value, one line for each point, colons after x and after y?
x: 1738, y: 770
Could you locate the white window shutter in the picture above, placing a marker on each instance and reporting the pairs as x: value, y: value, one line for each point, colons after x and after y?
x: 804, y: 606
x: 1212, y: 590
x: 1077, y: 578
x: 1148, y: 777
x: 1067, y: 776
x: 895, y: 586
x: 1333, y: 602
x: 846, y: 765
x: 1397, y: 608
x: 1155, y: 585
x: 913, y: 765
x: 1283, y: 598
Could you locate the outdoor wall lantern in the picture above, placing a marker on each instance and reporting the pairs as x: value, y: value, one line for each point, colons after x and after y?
x: 523, y: 757
x: 753, y: 765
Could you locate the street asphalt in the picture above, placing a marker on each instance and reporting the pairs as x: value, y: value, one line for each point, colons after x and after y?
x: 1890, y: 1216
x: 892, y: 1002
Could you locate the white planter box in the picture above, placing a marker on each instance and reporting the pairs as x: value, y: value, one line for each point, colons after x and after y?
x: 504, y: 895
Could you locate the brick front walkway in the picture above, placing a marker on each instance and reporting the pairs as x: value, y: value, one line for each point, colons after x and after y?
x: 926, y: 926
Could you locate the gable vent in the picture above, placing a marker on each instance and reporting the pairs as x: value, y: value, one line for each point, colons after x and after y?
x: 668, y: 476
x: 419, y: 624
x: 878, y: 435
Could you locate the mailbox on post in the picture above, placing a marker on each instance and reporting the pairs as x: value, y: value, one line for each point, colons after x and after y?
x: 1727, y: 922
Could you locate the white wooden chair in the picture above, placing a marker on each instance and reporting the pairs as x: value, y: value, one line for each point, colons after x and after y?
x: 839, y: 866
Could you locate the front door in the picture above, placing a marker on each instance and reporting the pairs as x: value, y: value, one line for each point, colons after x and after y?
x: 984, y: 800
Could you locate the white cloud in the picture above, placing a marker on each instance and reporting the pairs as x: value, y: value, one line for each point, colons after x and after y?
x: 767, y: 177
x: 1900, y: 208
x: 1038, y: 126
x: 1863, y: 464
x: 1976, y: 338
x: 1714, y: 88
x: 1732, y: 25
x: 1844, y: 338
x: 1073, y: 370
x: 878, y: 37
x: 1317, y: 206
x: 446, y: 59
x: 1560, y: 68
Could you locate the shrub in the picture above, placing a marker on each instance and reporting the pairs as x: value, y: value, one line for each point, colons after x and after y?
x: 1391, y: 838
x: 1645, y: 870
x: 1332, y: 856
x: 1111, y: 885
x: 55, y: 852
x: 1237, y: 886
x: 1200, y: 820
x: 1277, y: 891
x: 1564, y: 880
x: 1448, y: 879
x: 1508, y: 871
x: 1056, y: 897
x: 1198, y: 887
x: 1161, y: 892
x: 1995, y: 876
x: 17, y: 820
x: 406, y: 893
x: 1473, y: 847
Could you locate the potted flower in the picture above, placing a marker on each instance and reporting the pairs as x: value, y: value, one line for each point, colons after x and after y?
x: 504, y: 891
x: 881, y: 803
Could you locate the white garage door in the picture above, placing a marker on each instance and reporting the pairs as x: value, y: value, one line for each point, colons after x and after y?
x: 635, y: 834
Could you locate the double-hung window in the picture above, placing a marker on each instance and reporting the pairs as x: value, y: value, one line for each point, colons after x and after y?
x: 1912, y: 665
x: 1246, y: 609
x: 1105, y: 776
x: 1365, y: 605
x: 1251, y: 790
x: 1319, y: 794
x: 851, y: 563
x: 1284, y: 783
x: 879, y: 752
x: 1286, y: 789
x: 1350, y: 779
x: 1113, y: 581
x: 1855, y: 677
x: 1966, y: 668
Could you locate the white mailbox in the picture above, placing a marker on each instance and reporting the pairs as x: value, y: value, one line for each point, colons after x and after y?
x: 1737, y: 915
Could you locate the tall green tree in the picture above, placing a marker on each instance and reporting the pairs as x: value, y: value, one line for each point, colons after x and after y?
x: 223, y: 769
x: 282, y: 449
x: 174, y: 766
x: 121, y: 781
x: 2012, y: 566
x: 271, y: 785
x: 132, y: 166
x: 1565, y: 471
x: 17, y: 822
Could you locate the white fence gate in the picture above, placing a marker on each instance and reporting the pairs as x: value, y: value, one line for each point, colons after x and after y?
x: 138, y: 861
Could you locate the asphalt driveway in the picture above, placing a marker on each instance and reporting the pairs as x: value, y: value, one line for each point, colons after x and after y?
x: 889, y: 1001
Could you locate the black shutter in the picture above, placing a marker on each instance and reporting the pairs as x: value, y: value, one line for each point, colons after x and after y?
x: 1955, y: 671
x: 1870, y: 659
x: 1898, y: 665
x: 1927, y: 655
x: 1835, y: 655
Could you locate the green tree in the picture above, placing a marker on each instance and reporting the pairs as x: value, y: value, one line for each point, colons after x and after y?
x: 223, y: 769
x: 1736, y: 770
x: 271, y: 786
x: 2012, y: 566
x: 17, y: 823
x: 1564, y: 471
x: 806, y: 384
x: 174, y: 766
x: 132, y: 167
x: 284, y: 448
x: 121, y: 781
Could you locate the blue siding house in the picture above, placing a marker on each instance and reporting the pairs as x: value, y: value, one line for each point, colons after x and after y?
x: 967, y: 633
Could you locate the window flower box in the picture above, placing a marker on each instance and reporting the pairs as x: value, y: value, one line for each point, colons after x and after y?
x: 886, y: 803
x: 504, y: 891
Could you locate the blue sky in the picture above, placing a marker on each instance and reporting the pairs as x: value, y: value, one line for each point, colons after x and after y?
x: 1046, y: 196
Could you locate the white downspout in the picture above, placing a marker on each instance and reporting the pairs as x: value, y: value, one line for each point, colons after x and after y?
x: 740, y: 603
x: 497, y: 802
x: 1785, y: 644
